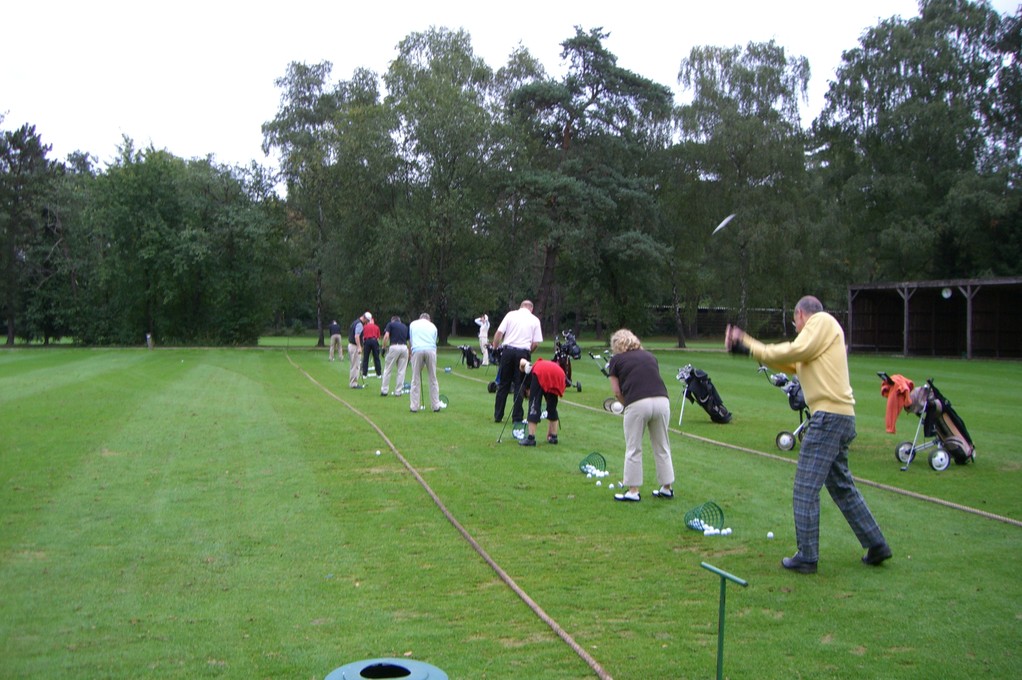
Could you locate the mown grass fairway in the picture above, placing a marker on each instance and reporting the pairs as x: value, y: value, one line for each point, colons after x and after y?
x: 222, y: 513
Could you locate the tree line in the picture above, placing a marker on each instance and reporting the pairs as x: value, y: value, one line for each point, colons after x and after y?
x: 447, y: 186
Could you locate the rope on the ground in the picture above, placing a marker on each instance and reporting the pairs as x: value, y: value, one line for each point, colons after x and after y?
x: 504, y: 576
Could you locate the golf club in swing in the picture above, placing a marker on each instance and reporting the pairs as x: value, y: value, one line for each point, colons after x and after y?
x: 723, y: 223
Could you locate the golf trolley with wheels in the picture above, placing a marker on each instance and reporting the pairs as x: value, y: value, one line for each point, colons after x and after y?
x: 566, y: 349
x: 796, y: 400
x: 602, y: 361
x: 937, y: 419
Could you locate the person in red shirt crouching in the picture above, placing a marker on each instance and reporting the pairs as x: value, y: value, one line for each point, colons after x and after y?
x: 543, y: 380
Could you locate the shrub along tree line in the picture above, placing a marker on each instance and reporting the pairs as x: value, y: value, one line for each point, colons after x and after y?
x: 448, y: 186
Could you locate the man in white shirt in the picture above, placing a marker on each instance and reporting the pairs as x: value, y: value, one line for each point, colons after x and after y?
x: 484, y: 336
x: 519, y: 335
x: 423, y: 336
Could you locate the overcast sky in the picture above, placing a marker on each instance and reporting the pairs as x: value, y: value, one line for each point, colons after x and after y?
x: 197, y: 77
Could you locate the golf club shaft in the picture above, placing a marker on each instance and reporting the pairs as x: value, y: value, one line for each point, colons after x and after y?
x: 516, y: 401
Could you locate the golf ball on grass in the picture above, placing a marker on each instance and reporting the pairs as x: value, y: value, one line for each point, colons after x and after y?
x: 770, y: 534
x: 377, y: 452
x: 599, y: 483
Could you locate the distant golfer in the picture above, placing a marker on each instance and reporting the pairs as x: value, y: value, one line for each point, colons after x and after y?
x: 484, y: 337
x: 335, y: 340
x: 355, y: 350
x: 819, y: 358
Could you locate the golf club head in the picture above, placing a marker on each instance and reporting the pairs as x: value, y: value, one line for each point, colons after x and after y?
x: 723, y: 223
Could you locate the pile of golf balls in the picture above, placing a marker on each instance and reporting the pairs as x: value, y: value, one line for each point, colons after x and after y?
x: 713, y: 531
x: 709, y: 529
x: 593, y: 471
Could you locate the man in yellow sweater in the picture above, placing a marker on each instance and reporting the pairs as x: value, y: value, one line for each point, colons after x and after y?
x: 819, y: 358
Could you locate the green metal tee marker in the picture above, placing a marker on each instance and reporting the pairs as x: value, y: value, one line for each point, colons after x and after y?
x: 724, y: 578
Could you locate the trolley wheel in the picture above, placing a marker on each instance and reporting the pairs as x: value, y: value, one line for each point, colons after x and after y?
x: 940, y: 459
x: 905, y: 453
x: 785, y: 441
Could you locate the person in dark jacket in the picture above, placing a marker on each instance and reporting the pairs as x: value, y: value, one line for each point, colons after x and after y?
x: 335, y: 340
x: 635, y: 379
x: 395, y: 346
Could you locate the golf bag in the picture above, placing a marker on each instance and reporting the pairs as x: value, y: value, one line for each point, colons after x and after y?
x: 700, y: 389
x: 938, y: 420
x: 469, y: 358
x: 495, y: 354
x: 564, y: 351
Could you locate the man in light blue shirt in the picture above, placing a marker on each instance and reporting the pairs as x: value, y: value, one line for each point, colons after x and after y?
x: 423, y: 336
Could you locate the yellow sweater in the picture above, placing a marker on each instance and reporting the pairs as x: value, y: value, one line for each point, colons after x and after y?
x: 818, y: 356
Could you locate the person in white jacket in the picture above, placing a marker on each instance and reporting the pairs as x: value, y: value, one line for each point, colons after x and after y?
x: 484, y: 337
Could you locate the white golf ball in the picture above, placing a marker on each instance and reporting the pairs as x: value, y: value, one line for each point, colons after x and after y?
x: 617, y: 407
x: 377, y: 452
x: 599, y: 483
x: 610, y: 486
x: 770, y: 534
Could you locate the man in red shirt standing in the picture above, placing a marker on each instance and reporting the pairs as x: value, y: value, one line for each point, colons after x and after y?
x: 370, y: 345
x: 544, y: 379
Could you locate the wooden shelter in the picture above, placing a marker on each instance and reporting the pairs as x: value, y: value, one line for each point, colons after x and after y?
x: 953, y: 317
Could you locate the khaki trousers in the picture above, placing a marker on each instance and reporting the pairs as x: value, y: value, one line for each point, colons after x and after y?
x: 654, y: 414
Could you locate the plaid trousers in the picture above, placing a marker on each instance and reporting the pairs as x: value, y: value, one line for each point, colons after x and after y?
x: 823, y: 461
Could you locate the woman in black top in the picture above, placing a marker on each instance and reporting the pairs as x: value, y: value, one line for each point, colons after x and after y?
x: 635, y: 379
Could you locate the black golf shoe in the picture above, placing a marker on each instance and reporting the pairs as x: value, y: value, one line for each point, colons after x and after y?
x: 877, y: 554
x: 796, y: 563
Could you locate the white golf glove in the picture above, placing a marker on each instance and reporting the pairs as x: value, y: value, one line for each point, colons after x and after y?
x: 526, y: 366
